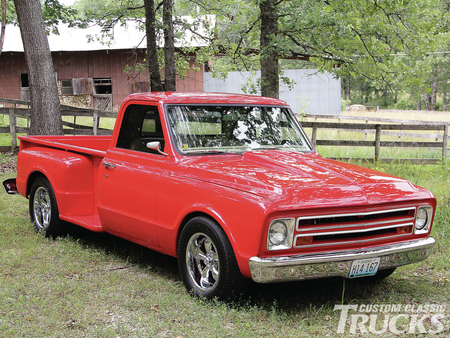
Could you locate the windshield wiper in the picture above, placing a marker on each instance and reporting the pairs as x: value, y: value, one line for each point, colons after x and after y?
x: 211, y: 152
x: 266, y: 148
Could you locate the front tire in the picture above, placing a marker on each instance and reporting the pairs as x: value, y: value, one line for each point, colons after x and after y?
x: 207, y: 262
x: 44, y: 212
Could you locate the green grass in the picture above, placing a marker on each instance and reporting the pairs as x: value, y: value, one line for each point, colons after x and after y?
x: 96, y: 285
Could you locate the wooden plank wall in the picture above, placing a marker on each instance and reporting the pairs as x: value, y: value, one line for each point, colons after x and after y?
x: 92, y: 64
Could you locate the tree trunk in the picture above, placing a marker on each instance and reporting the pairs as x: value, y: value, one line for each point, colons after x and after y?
x: 419, y: 103
x: 348, y: 91
x: 45, y: 107
x: 427, y: 101
x: 433, y: 96
x: 152, y: 48
x: 2, y: 30
x: 444, y: 100
x: 169, y: 47
x: 270, y: 85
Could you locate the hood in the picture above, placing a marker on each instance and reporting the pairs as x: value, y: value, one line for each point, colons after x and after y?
x: 295, y: 180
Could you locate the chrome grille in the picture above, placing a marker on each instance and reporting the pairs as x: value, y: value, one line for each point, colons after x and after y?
x: 354, y: 228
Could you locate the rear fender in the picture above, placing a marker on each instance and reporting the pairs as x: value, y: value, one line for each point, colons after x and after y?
x: 70, y: 174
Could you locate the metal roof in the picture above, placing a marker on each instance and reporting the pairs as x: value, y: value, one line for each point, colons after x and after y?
x: 127, y: 36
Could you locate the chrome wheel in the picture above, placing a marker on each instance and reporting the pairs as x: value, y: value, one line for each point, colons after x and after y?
x: 208, y: 266
x: 42, y: 208
x: 44, y: 212
x: 202, y: 262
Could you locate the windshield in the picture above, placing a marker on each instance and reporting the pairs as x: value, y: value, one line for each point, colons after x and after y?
x: 217, y: 129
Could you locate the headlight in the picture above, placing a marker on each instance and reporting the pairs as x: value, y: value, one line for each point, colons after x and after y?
x: 280, y: 234
x: 277, y: 233
x: 423, y: 219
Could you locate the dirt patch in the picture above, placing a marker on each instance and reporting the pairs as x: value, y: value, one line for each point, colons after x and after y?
x: 8, y: 164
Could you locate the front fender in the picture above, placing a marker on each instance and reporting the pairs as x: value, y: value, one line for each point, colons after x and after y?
x: 241, y: 215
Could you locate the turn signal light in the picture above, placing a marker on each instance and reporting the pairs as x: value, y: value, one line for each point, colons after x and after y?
x: 404, y: 230
x: 304, y: 240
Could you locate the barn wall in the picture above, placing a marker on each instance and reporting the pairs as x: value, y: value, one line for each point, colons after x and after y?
x: 92, y: 64
x: 11, y: 66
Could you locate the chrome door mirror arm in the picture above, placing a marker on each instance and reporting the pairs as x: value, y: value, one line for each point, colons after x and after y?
x: 156, y: 145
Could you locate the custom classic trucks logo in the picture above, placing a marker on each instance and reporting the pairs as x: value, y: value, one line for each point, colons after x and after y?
x: 392, y: 318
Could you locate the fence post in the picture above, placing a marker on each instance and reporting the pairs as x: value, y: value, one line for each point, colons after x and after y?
x: 445, y: 143
x: 314, y: 134
x: 95, y: 122
x: 377, y: 142
x: 12, y: 128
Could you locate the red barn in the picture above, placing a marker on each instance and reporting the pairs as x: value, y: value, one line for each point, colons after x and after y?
x: 90, y: 70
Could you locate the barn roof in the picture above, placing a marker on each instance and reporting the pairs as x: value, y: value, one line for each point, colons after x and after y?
x: 127, y: 36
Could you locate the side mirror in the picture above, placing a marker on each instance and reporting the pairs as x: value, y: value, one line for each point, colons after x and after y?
x: 156, y: 145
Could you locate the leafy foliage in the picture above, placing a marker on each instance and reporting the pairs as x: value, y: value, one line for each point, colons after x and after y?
x: 384, y: 48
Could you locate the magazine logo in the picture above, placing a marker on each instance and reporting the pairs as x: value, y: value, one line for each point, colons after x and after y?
x: 393, y: 318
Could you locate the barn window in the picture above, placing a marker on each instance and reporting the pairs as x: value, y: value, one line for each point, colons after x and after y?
x: 102, y: 86
x: 66, y: 87
x: 24, y: 81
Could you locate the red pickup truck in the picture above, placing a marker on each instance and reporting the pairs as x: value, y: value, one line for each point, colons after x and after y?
x: 232, y: 187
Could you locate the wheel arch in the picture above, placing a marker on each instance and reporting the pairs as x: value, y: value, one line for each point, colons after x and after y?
x: 194, y: 214
x: 32, y: 177
x: 215, y: 217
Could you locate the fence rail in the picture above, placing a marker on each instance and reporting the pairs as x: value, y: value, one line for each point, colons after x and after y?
x: 20, y: 109
x: 440, y: 136
x: 378, y: 126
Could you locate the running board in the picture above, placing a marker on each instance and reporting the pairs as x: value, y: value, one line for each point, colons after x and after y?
x: 91, y: 222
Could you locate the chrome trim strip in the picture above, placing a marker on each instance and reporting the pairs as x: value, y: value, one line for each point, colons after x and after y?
x: 355, y: 231
x: 359, y: 241
x: 320, y: 265
x: 353, y: 225
x: 379, y: 212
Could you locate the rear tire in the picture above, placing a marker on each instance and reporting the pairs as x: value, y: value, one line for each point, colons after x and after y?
x: 44, y: 212
x: 207, y: 262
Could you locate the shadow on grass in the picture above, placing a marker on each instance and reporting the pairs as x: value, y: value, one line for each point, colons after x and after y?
x: 126, y: 251
x: 286, y: 297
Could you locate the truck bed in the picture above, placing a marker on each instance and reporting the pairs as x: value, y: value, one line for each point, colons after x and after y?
x: 86, y: 144
x: 79, y: 193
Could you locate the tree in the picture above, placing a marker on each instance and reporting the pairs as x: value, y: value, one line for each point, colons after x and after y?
x: 152, y: 47
x: 3, y: 24
x: 345, y: 37
x: 269, y: 58
x: 109, y: 13
x: 45, y: 108
x: 169, y: 47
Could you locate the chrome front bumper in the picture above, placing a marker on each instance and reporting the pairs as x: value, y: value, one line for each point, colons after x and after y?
x: 321, y: 265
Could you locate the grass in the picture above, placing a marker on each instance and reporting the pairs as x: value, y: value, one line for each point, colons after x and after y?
x: 96, y: 285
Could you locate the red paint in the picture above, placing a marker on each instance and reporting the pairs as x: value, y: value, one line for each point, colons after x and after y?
x: 145, y: 198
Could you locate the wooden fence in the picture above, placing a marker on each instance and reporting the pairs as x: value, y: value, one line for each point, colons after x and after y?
x: 382, y: 126
x: 438, y: 136
x: 20, y: 109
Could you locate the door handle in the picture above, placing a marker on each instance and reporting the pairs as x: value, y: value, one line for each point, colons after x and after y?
x: 109, y: 165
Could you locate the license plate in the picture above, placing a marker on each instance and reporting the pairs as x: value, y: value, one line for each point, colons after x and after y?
x: 364, y: 267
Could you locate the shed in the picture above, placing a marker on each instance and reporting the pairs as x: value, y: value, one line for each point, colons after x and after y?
x: 90, y: 70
